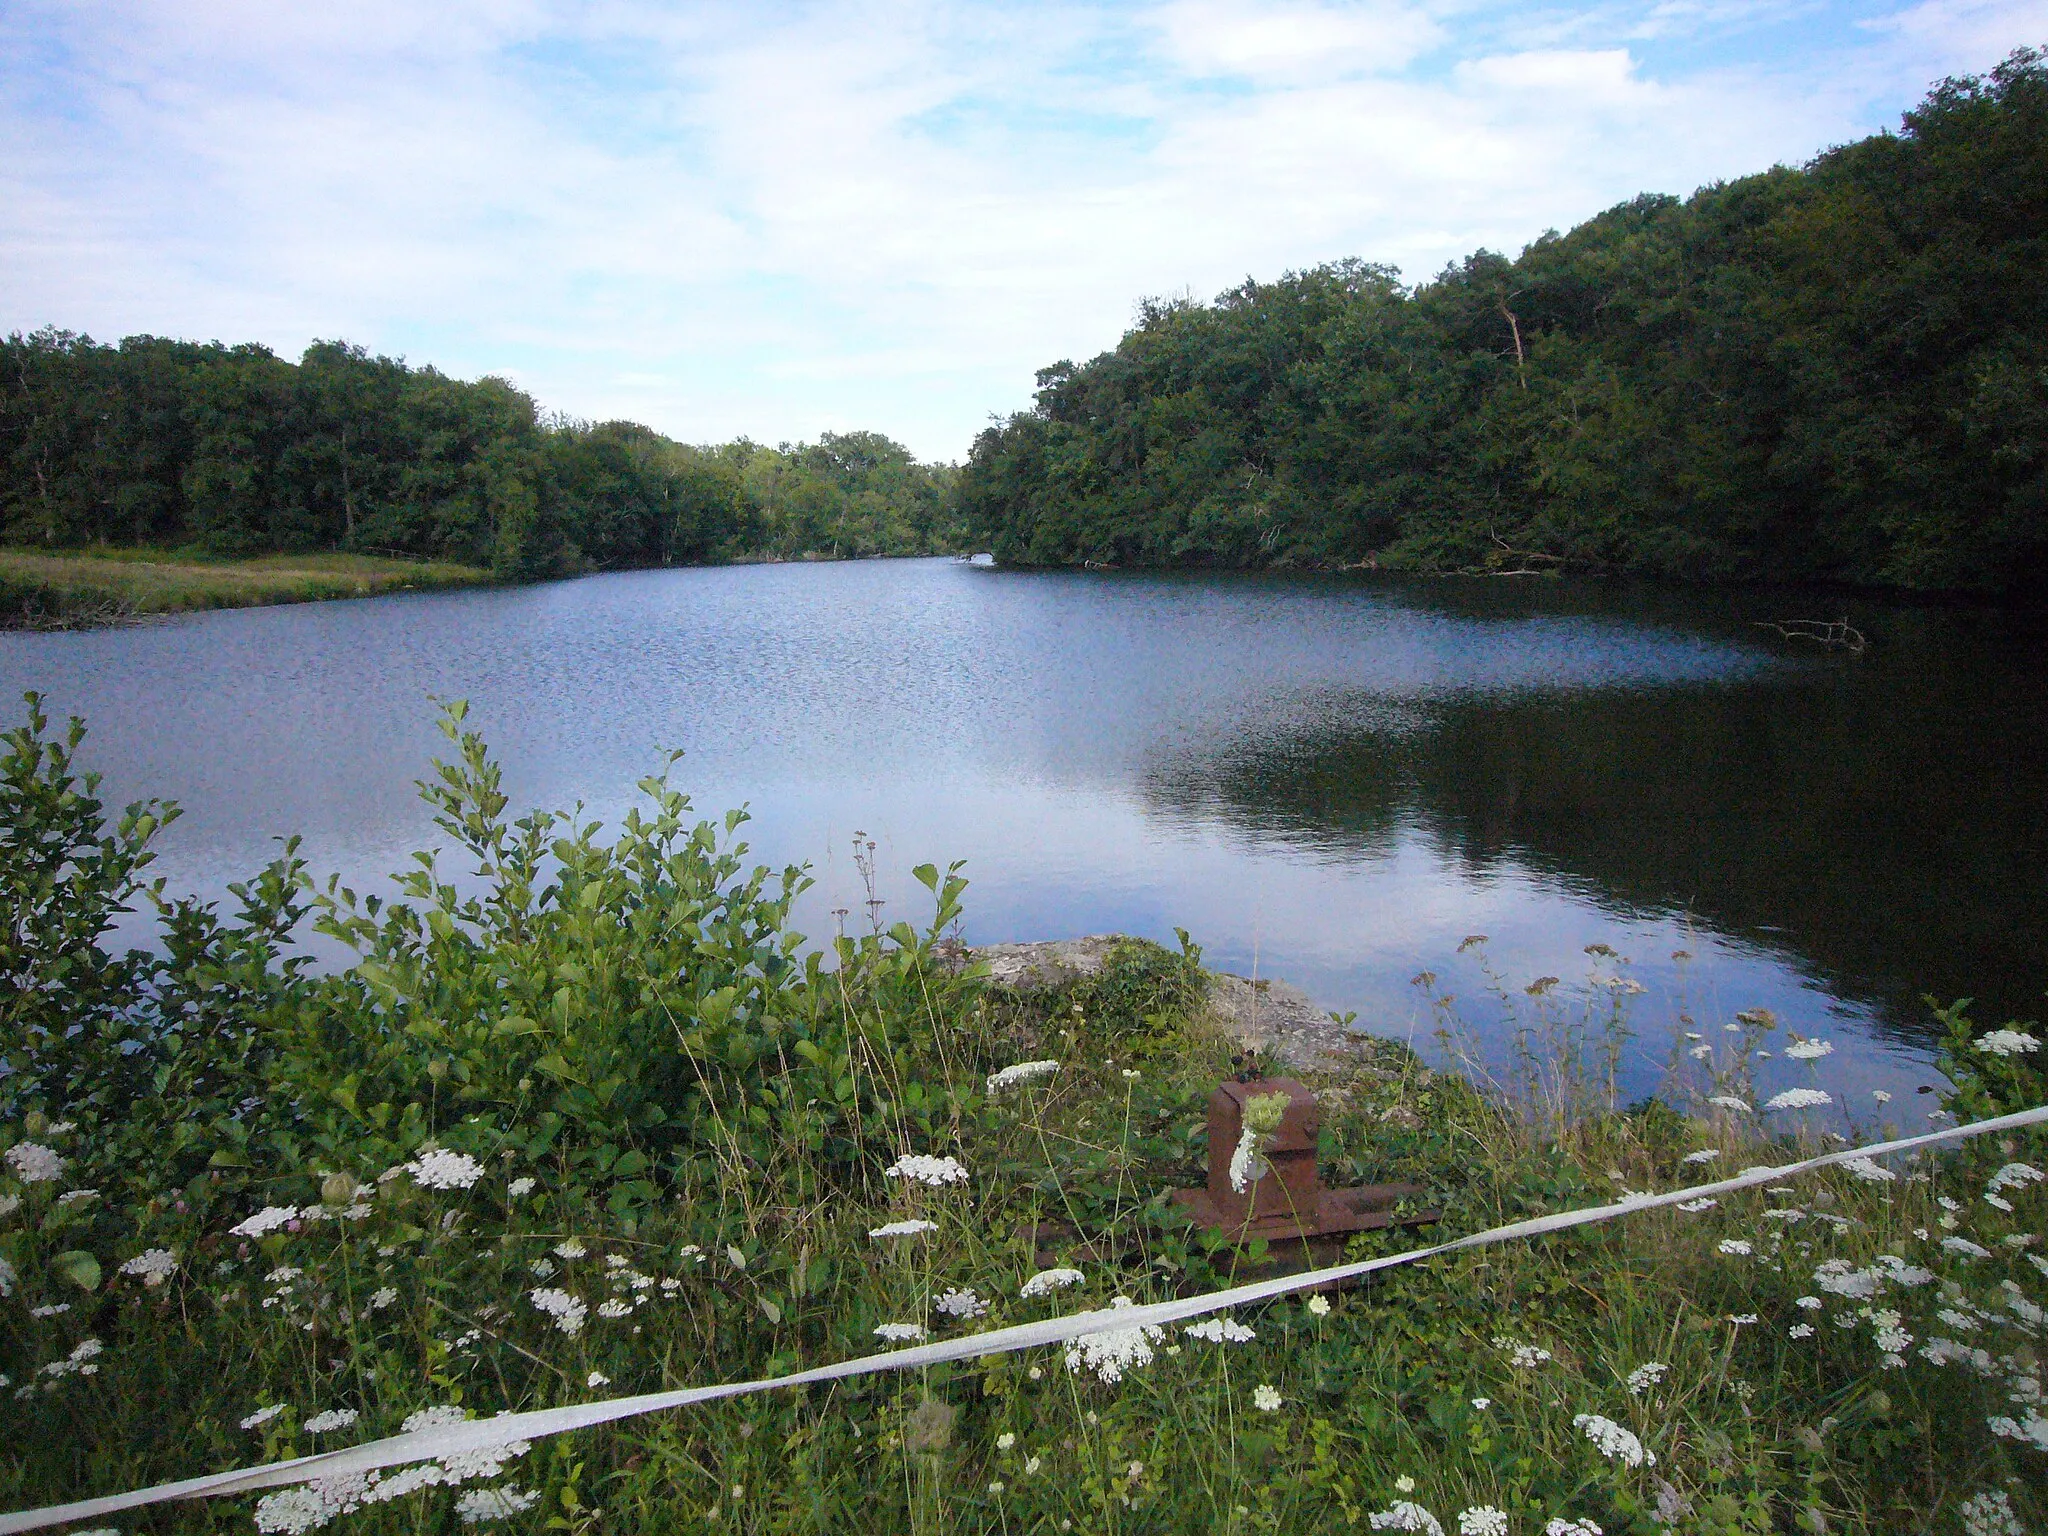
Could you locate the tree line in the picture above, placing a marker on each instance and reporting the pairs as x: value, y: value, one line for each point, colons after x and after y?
x: 236, y: 451
x: 1834, y: 372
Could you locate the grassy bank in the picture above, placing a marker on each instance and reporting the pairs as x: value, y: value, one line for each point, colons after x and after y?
x: 80, y: 589
x: 605, y: 1125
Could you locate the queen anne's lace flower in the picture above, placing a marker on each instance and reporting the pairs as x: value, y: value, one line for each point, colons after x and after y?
x: 1736, y: 1247
x: 960, y: 1304
x: 1047, y: 1281
x: 1114, y: 1351
x: 517, y: 1188
x: 153, y: 1266
x: 935, y: 1171
x: 439, y: 1168
x: 568, y: 1311
x: 1729, y: 1101
x: 1646, y: 1376
x: 481, y: 1504
x: 269, y: 1219
x: 1613, y: 1441
x: 1220, y: 1330
x: 1571, y: 1528
x: 2007, y: 1042
x: 1405, y: 1516
x: 901, y: 1333
x: 1990, y: 1514
x: 1965, y: 1247
x: 903, y: 1229
x: 33, y: 1163
x: 262, y: 1416
x: 2014, y: 1176
x: 1809, y: 1050
x: 1798, y: 1098
x: 1266, y: 1399
x: 1523, y: 1357
x: 1865, y: 1168
x: 333, y: 1418
x: 1704, y: 1155
x: 1022, y: 1072
x: 1702, y: 1203
x: 1482, y: 1520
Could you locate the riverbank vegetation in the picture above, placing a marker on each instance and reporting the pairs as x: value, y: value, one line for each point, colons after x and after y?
x: 106, y: 585
x: 586, y: 1117
x: 237, y: 452
x: 1825, y: 372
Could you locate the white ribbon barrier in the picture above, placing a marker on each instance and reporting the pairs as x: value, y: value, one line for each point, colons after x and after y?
x: 479, y: 1434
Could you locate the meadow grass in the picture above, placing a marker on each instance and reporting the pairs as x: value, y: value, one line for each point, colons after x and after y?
x: 431, y: 1184
x: 82, y: 588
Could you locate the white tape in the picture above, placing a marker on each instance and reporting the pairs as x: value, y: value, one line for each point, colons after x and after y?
x: 477, y: 1434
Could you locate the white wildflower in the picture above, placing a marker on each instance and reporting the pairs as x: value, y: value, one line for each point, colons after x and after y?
x: 1006, y: 1441
x: 481, y: 1504
x: 934, y: 1171
x: 2014, y: 1176
x: 1809, y: 1050
x: 1482, y: 1403
x: 517, y: 1189
x: 1729, y: 1101
x: 953, y: 1303
x: 1022, y: 1072
x: 1404, y: 1516
x: 568, y: 1311
x: 382, y: 1297
x: 1482, y: 1520
x: 1808, y: 1303
x: 570, y: 1248
x: 1220, y: 1330
x: 1990, y: 1514
x: 901, y: 1333
x: 1965, y: 1247
x: 1880, y: 1095
x: 262, y: 1416
x: 153, y: 1266
x: 1704, y: 1155
x: 77, y: 1196
x: 438, y: 1168
x: 333, y: 1418
x: 597, y: 1379
x: 1613, y: 1441
x: 1560, y: 1527
x: 1694, y: 1207
x: 903, y: 1229
x: 1742, y: 1319
x: 1523, y: 1357
x: 2033, y: 1429
x: 1319, y: 1306
x: 1798, y: 1098
x: 2007, y: 1042
x: 269, y: 1219
x: 33, y: 1163
x: 543, y: 1268
x: 1736, y: 1247
x: 1114, y: 1351
x: 1867, y: 1169
x: 1800, y: 1331
x: 613, y: 1308
x: 1646, y: 1376
x: 1049, y: 1280
x: 293, y: 1511
x: 1247, y: 1167
x: 1266, y: 1399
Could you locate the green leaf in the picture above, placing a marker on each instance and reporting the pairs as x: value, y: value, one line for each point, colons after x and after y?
x: 79, y: 1267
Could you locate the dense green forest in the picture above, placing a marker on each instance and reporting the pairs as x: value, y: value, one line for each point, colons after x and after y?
x: 1836, y: 372
x: 238, y: 452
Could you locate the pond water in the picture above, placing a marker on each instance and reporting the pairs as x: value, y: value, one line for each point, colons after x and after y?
x: 1332, y: 780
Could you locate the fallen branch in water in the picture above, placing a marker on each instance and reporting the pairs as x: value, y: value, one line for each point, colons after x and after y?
x: 1830, y: 633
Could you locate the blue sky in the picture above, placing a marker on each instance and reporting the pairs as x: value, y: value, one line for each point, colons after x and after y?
x: 776, y: 219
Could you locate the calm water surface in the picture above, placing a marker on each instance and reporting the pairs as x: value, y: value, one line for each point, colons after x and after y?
x: 1333, y: 781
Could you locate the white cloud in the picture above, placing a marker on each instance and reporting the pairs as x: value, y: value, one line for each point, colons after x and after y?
x: 727, y: 219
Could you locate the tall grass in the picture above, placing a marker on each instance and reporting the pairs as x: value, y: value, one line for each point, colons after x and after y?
x: 77, y: 589
x: 605, y: 1125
